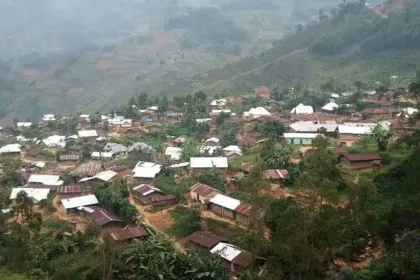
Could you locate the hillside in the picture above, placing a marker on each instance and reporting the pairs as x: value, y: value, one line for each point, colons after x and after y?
x: 354, y: 43
x: 63, y: 60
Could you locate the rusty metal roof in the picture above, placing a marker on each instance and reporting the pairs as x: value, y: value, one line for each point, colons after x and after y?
x: 69, y: 189
x: 244, y: 259
x: 103, y: 216
x: 203, y: 190
x: 205, y: 239
x: 89, y: 169
x: 275, y: 174
x: 128, y: 233
x: 362, y: 157
x: 244, y: 209
x: 69, y: 157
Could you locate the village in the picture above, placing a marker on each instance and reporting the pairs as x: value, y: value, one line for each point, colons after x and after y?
x: 140, y: 169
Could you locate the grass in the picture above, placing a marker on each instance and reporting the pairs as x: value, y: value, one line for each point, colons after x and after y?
x: 56, y: 224
x: 235, y: 163
x: 170, y: 186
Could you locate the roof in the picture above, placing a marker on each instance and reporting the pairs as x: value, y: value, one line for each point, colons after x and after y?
x: 264, y: 92
x: 232, y: 148
x: 174, y: 152
x: 244, y: 259
x: 69, y: 157
x: 37, y: 194
x: 140, y: 146
x: 330, y: 106
x: 50, y: 180
x: 115, y: 148
x: 301, y: 135
x: 102, y: 155
x: 226, y: 251
x: 337, y: 151
x: 105, y: 176
x: 87, y: 169
x: 302, y: 109
x: 145, y: 189
x: 259, y: 111
x: 243, y: 209
x: 208, y: 162
x: 179, y: 165
x: 358, y: 130
x: 24, y: 124
x: 145, y: 169
x: 11, y: 148
x: 161, y: 198
x: 376, y: 111
x: 87, y: 133
x: 103, y: 216
x: 202, y: 120
x: 213, y: 139
x: 362, y: 157
x: 276, y: 174
x: 79, y: 201
x: 55, y: 140
x: 225, y: 201
x: 205, y: 239
x: 69, y: 189
x: 309, y: 126
x: 203, y: 190
x: 128, y: 233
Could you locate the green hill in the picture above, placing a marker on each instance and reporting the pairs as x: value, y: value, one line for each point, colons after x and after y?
x: 353, y: 43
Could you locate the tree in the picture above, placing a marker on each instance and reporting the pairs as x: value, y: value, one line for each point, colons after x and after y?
x: 190, y: 148
x: 272, y: 129
x: 228, y: 133
x: 95, y: 118
x: 380, y: 136
x: 142, y: 100
x: 214, y: 179
x: 222, y: 118
x: 277, y: 156
x: 186, y: 221
x: 414, y: 86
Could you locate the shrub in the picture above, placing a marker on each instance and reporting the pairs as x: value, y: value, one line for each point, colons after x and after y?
x: 187, y: 221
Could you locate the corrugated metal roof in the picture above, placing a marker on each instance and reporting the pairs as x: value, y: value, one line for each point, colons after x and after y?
x: 226, y: 251
x: 205, y: 239
x: 203, y: 190
x: 103, y: 216
x: 51, y: 180
x: 362, y: 157
x: 36, y: 193
x: 87, y: 133
x: 69, y: 189
x: 356, y: 130
x: 208, y: 162
x: 243, y: 209
x: 79, y: 201
x: 145, y: 189
x: 69, y: 157
x: 276, y: 174
x: 225, y: 201
x: 128, y: 233
x: 88, y: 169
x: 301, y: 135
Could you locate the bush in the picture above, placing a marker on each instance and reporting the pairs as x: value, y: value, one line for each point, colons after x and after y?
x: 187, y: 221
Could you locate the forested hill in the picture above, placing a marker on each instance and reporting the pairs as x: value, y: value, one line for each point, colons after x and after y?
x: 353, y: 42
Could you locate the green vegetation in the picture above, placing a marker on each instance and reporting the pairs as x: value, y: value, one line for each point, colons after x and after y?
x: 186, y: 221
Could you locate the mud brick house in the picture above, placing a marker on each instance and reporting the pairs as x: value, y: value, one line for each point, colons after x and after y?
x: 150, y: 195
x: 69, y: 160
x: 360, y: 161
x: 376, y: 113
x: 128, y: 234
x: 103, y: 217
x: 204, y: 240
x: 65, y: 192
x: 88, y: 169
x: 263, y: 92
x: 242, y: 213
x: 276, y: 175
x: 229, y: 207
x: 202, y: 193
x: 11, y: 151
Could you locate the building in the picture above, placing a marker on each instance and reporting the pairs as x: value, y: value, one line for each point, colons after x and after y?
x: 128, y: 234
x: 23, y: 124
x: 202, y: 193
x: 200, y: 164
x: 116, y: 149
x: 232, y: 151
x: 46, y: 180
x: 300, y: 138
x: 263, y: 92
x: 36, y: 194
x: 224, y: 205
x: 70, y: 191
x: 103, y: 217
x: 88, y: 169
x: 360, y: 161
x: 376, y: 113
x: 69, y: 160
x: 55, y: 141
x: 145, y: 172
x: 328, y: 127
x: 74, y: 205
x: 150, y: 195
x: 11, y: 150
x: 347, y: 132
x: 204, y: 240
x: 48, y: 117
x: 87, y: 134
x: 256, y: 113
x: 102, y: 177
x: 242, y: 213
x: 302, y: 110
x: 276, y: 175
x: 102, y: 156
x: 330, y: 107
x: 173, y: 153
x: 212, y: 142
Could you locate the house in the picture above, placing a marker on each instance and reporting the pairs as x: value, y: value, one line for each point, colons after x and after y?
x: 360, y: 161
x: 140, y: 146
x: 205, y: 240
x: 236, y: 100
x: 128, y: 234
x: 173, y: 153
x: 11, y: 150
x: 102, y: 177
x: 23, y: 124
x: 48, y: 118
x: 200, y: 164
x: 300, y: 138
x: 46, y: 180
x: 330, y: 107
x: 102, y: 155
x: 263, y: 92
x: 202, y: 193
x: 68, y: 160
x: 74, y: 205
x: 347, y: 132
x: 70, y: 191
x: 103, y: 217
x: 224, y: 205
x: 257, y: 112
x: 203, y: 120
x: 88, y: 169
x: 153, y: 127
x: 55, y: 141
x: 370, y: 96
x: 376, y: 113
x: 212, y: 142
x: 87, y: 134
x: 234, y: 259
x: 84, y: 117
x: 115, y: 148
x: 215, y: 113
x: 36, y: 194
x: 150, y: 195
x: 302, y: 110
x: 242, y: 213
x: 219, y: 103
x: 231, y: 151
x: 407, y: 112
x: 145, y: 172
x: 327, y: 127
x: 276, y: 175
x: 339, y: 151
